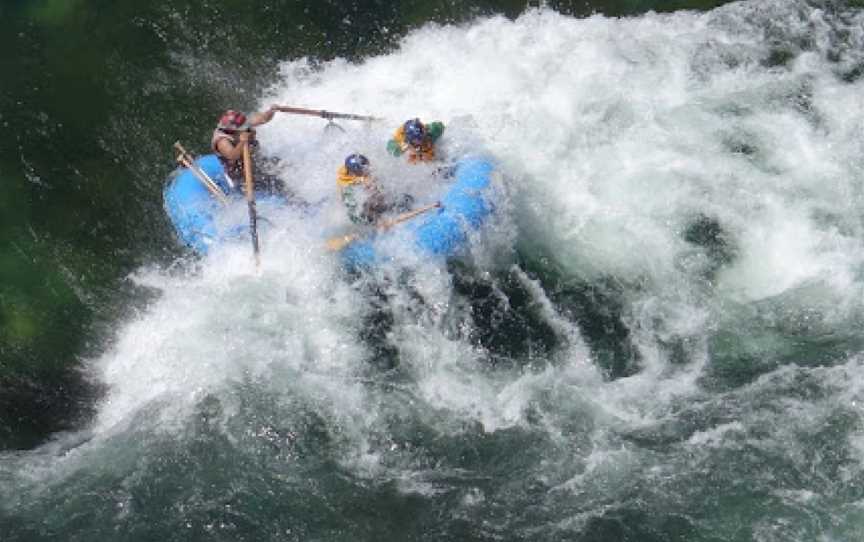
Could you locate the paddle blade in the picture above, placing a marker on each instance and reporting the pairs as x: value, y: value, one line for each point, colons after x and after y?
x: 335, y: 244
x: 332, y: 129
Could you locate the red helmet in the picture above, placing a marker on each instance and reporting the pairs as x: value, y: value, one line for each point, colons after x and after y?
x: 232, y: 121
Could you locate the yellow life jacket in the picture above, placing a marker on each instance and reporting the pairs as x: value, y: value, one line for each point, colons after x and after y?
x: 344, y: 179
x: 425, y: 153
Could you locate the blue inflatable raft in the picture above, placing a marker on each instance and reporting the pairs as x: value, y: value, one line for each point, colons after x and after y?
x: 200, y: 220
x: 440, y: 232
x: 192, y: 209
x: 196, y: 214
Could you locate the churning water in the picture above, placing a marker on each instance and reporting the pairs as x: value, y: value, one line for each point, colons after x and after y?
x: 657, y: 338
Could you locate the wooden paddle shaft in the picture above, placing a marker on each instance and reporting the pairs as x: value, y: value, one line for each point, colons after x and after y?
x: 250, y: 199
x: 191, y: 159
x: 338, y: 243
x: 411, y: 214
x: 321, y: 113
x: 187, y: 161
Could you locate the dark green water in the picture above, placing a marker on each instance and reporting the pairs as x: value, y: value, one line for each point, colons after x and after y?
x: 93, y: 94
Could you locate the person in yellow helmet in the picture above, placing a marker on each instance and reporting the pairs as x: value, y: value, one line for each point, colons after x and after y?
x: 416, y: 140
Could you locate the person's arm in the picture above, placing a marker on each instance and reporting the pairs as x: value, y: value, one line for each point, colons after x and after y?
x: 257, y: 119
x: 434, y: 130
x: 229, y: 151
x: 394, y: 148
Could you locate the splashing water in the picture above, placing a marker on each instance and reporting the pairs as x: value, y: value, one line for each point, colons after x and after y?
x: 657, y: 337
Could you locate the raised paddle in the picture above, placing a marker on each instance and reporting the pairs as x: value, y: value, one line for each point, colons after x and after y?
x: 186, y: 160
x: 338, y: 243
x: 329, y: 115
x: 250, y: 199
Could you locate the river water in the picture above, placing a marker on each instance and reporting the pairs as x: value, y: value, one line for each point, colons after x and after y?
x: 657, y: 337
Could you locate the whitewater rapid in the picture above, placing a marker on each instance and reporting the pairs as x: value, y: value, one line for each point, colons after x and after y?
x: 702, y: 170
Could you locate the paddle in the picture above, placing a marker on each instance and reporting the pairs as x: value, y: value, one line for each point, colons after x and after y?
x: 186, y: 160
x: 250, y: 199
x: 329, y: 115
x: 338, y: 243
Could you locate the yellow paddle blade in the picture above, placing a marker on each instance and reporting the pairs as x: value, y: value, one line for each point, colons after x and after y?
x: 336, y: 244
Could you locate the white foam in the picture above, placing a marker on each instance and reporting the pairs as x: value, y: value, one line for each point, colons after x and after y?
x: 613, y: 133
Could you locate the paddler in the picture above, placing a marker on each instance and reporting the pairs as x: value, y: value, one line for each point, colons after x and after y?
x: 235, y: 130
x: 361, y: 193
x: 416, y: 141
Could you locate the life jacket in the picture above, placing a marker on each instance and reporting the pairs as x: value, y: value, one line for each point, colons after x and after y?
x: 362, y: 197
x: 425, y: 153
x: 233, y: 168
x: 344, y: 179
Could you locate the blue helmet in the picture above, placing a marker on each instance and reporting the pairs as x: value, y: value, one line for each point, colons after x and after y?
x: 414, y: 131
x: 357, y: 164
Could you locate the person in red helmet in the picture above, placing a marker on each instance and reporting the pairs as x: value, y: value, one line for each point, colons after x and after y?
x: 233, y: 131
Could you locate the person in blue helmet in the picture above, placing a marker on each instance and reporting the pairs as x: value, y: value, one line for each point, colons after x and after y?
x: 361, y: 193
x: 416, y: 140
